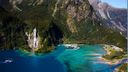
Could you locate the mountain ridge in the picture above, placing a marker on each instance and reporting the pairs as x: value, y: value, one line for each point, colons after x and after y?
x: 114, y: 18
x: 74, y: 20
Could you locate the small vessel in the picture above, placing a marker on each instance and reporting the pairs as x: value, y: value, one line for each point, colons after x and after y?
x: 8, y: 61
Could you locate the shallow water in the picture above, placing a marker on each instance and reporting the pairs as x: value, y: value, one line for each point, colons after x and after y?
x: 85, y: 59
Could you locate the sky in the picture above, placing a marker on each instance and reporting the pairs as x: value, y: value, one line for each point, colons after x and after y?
x: 117, y: 3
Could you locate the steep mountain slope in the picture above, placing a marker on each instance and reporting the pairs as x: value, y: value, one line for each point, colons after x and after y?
x: 114, y: 18
x: 56, y: 21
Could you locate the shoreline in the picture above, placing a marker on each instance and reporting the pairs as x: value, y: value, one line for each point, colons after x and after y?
x: 109, y: 51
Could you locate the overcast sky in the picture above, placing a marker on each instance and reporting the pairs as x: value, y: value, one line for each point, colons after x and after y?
x: 117, y: 3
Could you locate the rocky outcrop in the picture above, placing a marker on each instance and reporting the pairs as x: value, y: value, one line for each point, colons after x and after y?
x: 57, y: 21
x: 114, y: 18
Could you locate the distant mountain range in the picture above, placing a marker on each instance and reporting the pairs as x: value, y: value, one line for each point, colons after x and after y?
x: 115, y: 18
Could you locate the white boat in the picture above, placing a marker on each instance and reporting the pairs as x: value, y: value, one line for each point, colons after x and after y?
x: 8, y: 61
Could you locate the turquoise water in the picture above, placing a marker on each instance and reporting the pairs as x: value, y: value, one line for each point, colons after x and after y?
x: 84, y: 59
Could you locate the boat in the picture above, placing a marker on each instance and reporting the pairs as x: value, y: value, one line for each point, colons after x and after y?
x: 8, y: 61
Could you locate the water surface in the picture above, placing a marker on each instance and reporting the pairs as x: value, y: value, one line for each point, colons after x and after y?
x: 84, y: 59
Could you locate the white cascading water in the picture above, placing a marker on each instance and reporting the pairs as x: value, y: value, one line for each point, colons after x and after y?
x: 33, y: 40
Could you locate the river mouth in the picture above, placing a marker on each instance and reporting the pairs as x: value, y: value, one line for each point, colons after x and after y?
x: 86, y: 58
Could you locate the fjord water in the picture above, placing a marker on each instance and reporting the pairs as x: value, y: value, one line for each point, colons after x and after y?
x: 84, y: 59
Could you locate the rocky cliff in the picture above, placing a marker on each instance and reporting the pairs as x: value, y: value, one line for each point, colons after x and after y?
x: 114, y: 18
x: 56, y: 21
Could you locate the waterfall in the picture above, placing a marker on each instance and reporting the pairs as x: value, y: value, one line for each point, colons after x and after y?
x: 33, y: 40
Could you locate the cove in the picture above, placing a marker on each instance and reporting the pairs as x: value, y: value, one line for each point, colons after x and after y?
x: 62, y: 59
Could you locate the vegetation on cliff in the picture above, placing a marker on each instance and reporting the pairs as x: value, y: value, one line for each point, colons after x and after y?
x: 67, y: 21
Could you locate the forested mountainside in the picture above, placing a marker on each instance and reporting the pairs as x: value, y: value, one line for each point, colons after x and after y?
x: 56, y: 22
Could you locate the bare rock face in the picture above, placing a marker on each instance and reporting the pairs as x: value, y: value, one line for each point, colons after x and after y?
x: 114, y: 18
x: 57, y: 21
x: 14, y: 4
